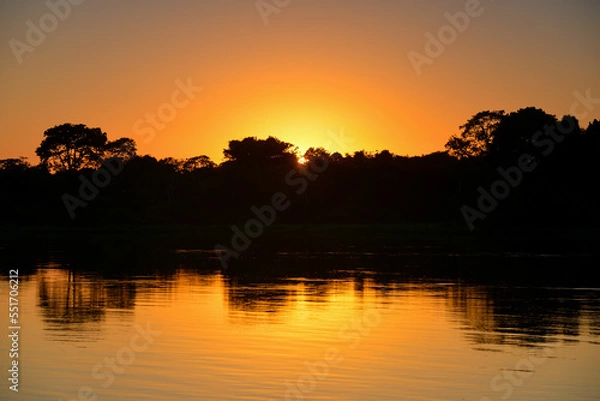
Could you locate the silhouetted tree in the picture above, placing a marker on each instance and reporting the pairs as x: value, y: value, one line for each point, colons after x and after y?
x: 12, y: 165
x: 122, y: 148
x: 173, y: 163
x: 360, y: 187
x: 514, y: 135
x: 336, y: 157
x: 198, y: 162
x: 70, y: 147
x: 316, y: 154
x: 593, y: 128
x: 361, y: 156
x: 476, y: 135
x: 385, y: 156
x: 251, y: 150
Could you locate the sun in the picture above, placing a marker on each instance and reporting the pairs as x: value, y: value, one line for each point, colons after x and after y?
x: 302, y: 160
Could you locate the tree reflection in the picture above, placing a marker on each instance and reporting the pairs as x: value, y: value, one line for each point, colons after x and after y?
x: 259, y: 292
x: 69, y: 297
x: 76, y: 301
x: 524, y: 316
x: 249, y: 301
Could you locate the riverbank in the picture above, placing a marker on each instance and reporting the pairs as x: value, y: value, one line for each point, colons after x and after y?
x: 322, y: 237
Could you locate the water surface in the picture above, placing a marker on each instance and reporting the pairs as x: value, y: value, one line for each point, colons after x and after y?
x: 342, y: 334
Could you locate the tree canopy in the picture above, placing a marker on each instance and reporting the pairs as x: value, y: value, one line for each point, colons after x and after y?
x: 356, y: 187
x: 72, y: 147
x: 258, y: 151
x: 515, y: 133
x: 476, y: 135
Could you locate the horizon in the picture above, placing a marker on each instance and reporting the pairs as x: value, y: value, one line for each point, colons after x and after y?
x: 341, y: 140
x: 298, y: 72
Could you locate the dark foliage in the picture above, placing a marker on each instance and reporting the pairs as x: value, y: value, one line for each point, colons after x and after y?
x: 357, y: 188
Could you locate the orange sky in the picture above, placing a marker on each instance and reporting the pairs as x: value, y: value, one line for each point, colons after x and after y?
x: 320, y: 70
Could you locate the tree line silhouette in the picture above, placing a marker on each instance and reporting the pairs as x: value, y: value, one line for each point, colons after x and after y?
x: 82, y: 179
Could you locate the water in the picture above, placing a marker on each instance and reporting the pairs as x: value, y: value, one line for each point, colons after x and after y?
x: 351, y: 334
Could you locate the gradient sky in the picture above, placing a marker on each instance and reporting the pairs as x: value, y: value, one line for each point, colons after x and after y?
x: 320, y: 68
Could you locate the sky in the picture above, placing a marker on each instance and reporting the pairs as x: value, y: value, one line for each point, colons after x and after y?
x: 184, y: 77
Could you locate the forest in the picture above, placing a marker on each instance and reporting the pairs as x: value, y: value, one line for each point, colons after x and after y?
x: 521, y: 168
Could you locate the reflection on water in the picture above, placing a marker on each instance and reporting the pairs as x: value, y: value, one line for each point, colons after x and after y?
x: 333, y: 334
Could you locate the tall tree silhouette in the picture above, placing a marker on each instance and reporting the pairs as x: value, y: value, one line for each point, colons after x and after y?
x: 514, y: 135
x: 476, y: 135
x: 122, y: 148
x: 71, y: 147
